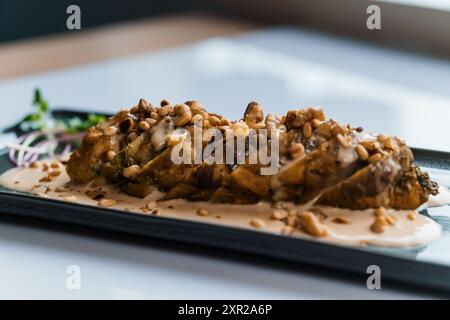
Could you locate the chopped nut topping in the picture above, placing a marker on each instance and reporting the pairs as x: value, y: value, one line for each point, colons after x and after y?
x: 380, y: 212
x: 110, y: 131
x: 151, y: 205
x: 55, y: 173
x: 290, y: 220
x: 54, y: 165
x: 362, y: 152
x: 343, y: 141
x: 257, y: 223
x: 307, y: 130
x: 375, y: 158
x: 214, y: 121
x: 382, y: 219
x: 150, y: 121
x: 164, y: 102
x: 411, y: 215
x: 391, y: 144
x: 131, y: 171
x: 202, y: 212
x: 34, y: 165
x: 134, y: 110
x: 70, y: 198
x: 382, y: 137
x: 62, y: 189
x: 181, y: 109
x: 253, y: 113
x: 378, y: 224
x: 107, y: 203
x: 287, y: 230
x: 297, y: 150
x: 390, y: 220
x: 197, y: 118
x: 316, y: 123
x: 311, y: 224
x: 144, y: 125
x: 164, y: 111
x: 341, y: 220
x: 47, y: 178
x: 110, y: 155
x: 183, y: 119
x: 154, y: 115
x: 279, y: 214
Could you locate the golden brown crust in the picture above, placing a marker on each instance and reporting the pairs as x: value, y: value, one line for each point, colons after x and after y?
x: 319, y: 159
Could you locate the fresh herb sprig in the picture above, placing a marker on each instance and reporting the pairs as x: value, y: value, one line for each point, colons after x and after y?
x: 41, y: 118
x: 39, y: 134
x: 76, y: 124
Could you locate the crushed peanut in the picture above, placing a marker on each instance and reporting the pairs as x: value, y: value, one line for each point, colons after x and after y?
x: 183, y: 119
x: 362, y: 152
x: 278, y: 214
x: 54, y: 165
x: 375, y: 158
x: 391, y: 144
x: 341, y: 220
x: 381, y: 211
x: 309, y: 223
x: 151, y: 205
x: 411, y: 215
x: 307, y: 130
x: 202, y: 212
x: 107, y: 203
x: 144, y: 125
x: 55, y: 173
x: 62, y: 189
x: 378, y: 224
x: 214, y: 121
x: 316, y: 123
x: 131, y: 171
x: 287, y: 230
x: 291, y: 220
x: 343, y: 141
x: 297, y: 150
x: 110, y: 131
x: 257, y: 223
x: 382, y: 137
x: 110, y: 155
x: 34, y: 165
x: 197, y: 118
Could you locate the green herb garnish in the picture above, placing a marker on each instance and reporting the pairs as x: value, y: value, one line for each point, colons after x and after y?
x: 42, y: 119
x: 76, y: 124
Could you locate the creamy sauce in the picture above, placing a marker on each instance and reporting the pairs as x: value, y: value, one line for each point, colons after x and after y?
x: 410, y: 229
x: 160, y: 133
x: 441, y: 199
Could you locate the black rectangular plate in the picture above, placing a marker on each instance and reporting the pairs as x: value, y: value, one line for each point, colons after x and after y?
x: 427, y: 266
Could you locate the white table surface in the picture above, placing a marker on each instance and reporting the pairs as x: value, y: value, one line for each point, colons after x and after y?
x: 382, y: 90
